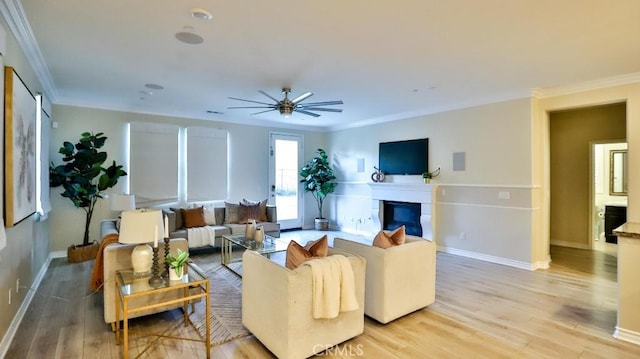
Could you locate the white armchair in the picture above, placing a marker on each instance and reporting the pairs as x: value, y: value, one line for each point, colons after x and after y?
x: 277, y: 307
x: 399, y: 280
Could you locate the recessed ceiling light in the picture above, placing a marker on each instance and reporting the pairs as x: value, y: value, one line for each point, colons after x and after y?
x: 154, y: 86
x: 189, y: 38
x: 201, y: 14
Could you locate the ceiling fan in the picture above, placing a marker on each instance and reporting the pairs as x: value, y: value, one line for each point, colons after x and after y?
x: 286, y: 106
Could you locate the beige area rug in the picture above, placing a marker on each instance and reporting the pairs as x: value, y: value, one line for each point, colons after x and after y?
x: 225, y: 290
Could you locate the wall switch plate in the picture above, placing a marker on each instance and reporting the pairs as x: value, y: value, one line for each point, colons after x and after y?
x: 504, y: 195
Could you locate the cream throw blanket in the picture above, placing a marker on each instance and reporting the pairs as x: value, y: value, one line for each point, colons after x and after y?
x: 201, y: 236
x: 334, y: 288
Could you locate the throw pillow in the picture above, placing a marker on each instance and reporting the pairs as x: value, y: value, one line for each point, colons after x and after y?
x: 386, y: 239
x: 209, y: 215
x: 248, y: 212
x: 263, y: 208
x: 179, y: 221
x: 297, y: 254
x: 231, y: 212
x: 193, y: 217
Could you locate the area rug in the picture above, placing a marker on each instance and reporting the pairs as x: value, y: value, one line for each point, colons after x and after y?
x: 225, y: 290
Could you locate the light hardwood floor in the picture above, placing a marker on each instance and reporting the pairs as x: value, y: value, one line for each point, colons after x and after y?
x: 482, y: 310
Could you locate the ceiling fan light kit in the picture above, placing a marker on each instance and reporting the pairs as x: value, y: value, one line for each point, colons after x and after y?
x: 287, y: 107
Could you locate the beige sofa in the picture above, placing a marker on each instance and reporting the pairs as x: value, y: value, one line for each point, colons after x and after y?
x: 117, y: 256
x: 400, y: 279
x: 271, y: 226
x: 277, y: 307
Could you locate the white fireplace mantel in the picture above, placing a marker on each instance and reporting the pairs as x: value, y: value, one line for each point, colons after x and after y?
x: 404, y: 192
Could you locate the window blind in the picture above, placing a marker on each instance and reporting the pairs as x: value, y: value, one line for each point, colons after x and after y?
x: 206, y: 164
x: 153, y: 163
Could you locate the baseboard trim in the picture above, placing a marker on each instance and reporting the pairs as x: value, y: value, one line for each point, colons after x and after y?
x: 627, y: 335
x: 570, y: 244
x: 17, y: 319
x: 58, y: 254
x: 489, y: 258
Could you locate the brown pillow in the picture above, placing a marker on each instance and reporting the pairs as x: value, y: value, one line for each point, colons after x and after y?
x: 248, y: 212
x: 231, y: 212
x: 179, y: 221
x: 385, y: 239
x: 193, y: 217
x: 263, y: 208
x: 297, y: 254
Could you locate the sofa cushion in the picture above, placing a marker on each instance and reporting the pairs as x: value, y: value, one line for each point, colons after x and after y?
x: 263, y: 208
x: 385, y: 239
x: 210, y: 215
x: 297, y: 254
x: 193, y: 217
x: 231, y: 212
x: 248, y: 212
x: 171, y: 215
x: 179, y: 223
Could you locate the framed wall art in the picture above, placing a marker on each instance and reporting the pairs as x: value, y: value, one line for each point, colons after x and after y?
x: 19, y: 149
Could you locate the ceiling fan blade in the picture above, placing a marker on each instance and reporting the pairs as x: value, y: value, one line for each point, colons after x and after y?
x: 325, y: 103
x: 269, y: 96
x: 302, y: 97
x: 273, y: 109
x: 236, y: 107
x: 307, y: 112
x: 322, y: 109
x: 241, y: 99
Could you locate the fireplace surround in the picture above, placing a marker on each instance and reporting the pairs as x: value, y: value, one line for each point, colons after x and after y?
x: 418, y: 194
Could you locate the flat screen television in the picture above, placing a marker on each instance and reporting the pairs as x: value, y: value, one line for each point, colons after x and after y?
x: 410, y: 157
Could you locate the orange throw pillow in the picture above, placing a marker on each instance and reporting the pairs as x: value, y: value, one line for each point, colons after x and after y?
x: 297, y: 254
x: 193, y: 217
x: 386, y: 239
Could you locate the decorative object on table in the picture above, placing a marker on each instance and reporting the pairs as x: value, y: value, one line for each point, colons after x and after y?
x: 250, y: 229
x: 20, y: 149
x: 427, y: 176
x: 378, y: 175
x: 259, y: 234
x: 84, y: 179
x: 319, y: 178
x: 141, y: 226
x: 167, y: 246
x: 176, y: 264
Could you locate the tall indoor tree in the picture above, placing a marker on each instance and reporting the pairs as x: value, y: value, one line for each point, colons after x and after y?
x: 319, y: 178
x: 83, y: 176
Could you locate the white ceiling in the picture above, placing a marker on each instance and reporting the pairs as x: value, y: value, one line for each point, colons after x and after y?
x: 385, y: 59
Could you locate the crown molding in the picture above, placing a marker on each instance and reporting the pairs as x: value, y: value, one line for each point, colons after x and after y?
x: 14, y: 15
x: 612, y: 81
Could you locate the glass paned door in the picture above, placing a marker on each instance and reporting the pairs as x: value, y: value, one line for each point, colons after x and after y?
x: 284, y: 166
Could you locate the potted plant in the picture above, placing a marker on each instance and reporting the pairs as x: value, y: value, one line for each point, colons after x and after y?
x: 176, y: 264
x: 429, y: 175
x: 319, y: 179
x: 84, y: 179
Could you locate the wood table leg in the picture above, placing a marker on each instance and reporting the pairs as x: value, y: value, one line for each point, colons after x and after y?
x: 208, y: 321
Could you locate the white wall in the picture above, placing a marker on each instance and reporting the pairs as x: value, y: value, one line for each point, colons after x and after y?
x: 27, y: 250
x: 497, y: 141
x: 249, y: 150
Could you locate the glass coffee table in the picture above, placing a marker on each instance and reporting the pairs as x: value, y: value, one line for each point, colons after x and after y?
x: 194, y: 285
x: 268, y: 246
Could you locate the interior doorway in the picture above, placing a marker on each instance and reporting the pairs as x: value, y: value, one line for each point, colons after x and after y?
x: 609, y: 191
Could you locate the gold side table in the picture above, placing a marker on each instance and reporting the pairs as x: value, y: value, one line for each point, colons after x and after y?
x: 194, y: 285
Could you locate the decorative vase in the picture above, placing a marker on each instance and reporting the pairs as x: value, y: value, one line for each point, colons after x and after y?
x: 250, y: 230
x: 259, y: 235
x: 427, y: 180
x: 173, y: 275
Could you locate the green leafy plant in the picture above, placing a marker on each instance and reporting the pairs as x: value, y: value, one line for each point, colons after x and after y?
x: 177, y: 263
x: 432, y: 174
x: 318, y: 178
x: 83, y: 176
